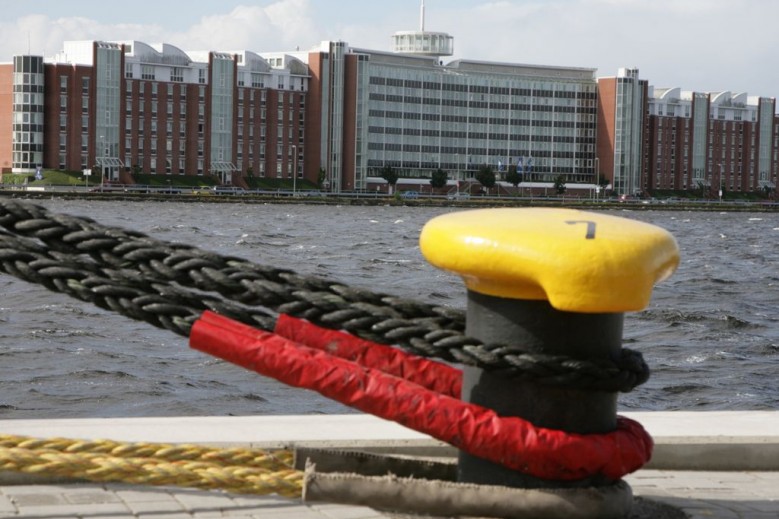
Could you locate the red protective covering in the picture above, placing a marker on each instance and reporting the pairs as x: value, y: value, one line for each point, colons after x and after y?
x: 432, y: 375
x: 509, y: 441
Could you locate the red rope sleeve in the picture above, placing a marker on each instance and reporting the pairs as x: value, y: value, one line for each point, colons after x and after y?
x: 509, y: 441
x: 429, y: 374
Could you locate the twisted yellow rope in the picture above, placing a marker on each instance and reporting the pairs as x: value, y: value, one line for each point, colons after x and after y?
x: 247, y: 471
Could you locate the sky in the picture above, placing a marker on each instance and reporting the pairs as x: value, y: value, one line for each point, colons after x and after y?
x: 701, y: 45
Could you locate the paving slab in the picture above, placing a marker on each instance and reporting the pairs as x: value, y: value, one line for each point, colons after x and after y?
x: 728, y: 440
x: 701, y: 495
x: 748, y: 489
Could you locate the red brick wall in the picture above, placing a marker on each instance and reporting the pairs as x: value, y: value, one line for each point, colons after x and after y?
x: 6, y: 116
x: 607, y: 106
x: 313, y: 134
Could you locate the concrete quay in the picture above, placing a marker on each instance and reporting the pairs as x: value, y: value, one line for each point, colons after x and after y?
x: 707, y: 464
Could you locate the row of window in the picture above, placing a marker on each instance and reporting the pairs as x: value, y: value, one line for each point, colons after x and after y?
x: 561, y: 90
x: 397, y: 135
x: 475, y: 154
x: 547, y: 119
x: 542, y: 104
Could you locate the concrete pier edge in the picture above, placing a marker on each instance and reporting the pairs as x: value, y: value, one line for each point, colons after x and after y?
x: 699, y: 441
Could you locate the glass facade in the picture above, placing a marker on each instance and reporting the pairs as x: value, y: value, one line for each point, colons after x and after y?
x: 700, y: 132
x: 333, y: 115
x: 27, y: 131
x: 469, y: 114
x: 222, y: 80
x: 108, y: 96
x: 628, y: 131
x: 422, y: 42
x: 766, y: 124
x: 361, y: 129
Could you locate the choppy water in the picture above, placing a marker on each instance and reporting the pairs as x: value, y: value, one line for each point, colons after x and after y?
x: 710, y: 334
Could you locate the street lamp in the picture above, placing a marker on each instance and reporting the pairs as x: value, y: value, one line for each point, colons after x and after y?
x: 719, y: 183
x: 99, y: 159
x: 457, y: 173
x: 597, y: 178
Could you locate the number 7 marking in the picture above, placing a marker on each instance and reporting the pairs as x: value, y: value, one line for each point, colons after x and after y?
x: 590, y: 227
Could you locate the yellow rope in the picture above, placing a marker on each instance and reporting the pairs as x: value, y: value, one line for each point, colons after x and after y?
x: 280, y: 459
x: 247, y: 471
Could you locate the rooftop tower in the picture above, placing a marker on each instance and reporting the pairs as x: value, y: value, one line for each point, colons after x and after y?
x: 421, y: 42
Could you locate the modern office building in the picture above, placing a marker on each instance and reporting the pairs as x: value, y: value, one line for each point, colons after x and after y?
x: 416, y: 114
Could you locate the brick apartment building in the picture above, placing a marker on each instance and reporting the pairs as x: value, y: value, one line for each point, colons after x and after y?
x: 653, y: 138
x: 129, y: 106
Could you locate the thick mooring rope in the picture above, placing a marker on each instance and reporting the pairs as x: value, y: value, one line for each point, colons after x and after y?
x: 244, y: 471
x: 169, y: 285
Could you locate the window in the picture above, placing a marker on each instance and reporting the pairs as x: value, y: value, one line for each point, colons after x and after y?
x: 147, y: 72
x: 177, y: 74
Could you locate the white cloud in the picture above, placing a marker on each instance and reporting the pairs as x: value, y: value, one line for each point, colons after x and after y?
x: 283, y: 25
x: 42, y: 35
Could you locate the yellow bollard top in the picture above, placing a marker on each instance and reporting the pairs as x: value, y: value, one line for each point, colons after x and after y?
x: 577, y: 260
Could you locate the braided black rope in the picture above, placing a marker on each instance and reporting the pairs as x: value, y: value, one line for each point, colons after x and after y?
x: 167, y: 285
x: 119, y: 290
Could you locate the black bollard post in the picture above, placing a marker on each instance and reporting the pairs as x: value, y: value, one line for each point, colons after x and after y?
x: 538, y: 328
x: 550, y: 281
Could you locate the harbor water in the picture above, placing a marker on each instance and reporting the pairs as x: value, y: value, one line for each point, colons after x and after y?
x: 710, y: 333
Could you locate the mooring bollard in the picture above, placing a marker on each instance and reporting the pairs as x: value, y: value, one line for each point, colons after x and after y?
x: 548, y: 281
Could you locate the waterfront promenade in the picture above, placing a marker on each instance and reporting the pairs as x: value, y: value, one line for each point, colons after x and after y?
x: 708, y: 464
x: 189, y: 195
